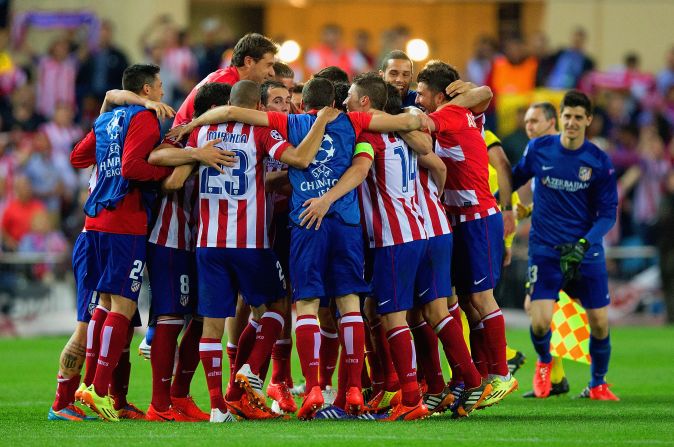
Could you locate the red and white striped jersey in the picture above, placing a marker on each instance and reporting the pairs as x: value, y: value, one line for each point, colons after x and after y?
x: 176, y: 223
x: 436, y: 222
x: 389, y: 194
x: 459, y: 143
x: 232, y: 206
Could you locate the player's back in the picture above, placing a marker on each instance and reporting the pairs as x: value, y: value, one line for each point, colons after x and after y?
x: 389, y: 194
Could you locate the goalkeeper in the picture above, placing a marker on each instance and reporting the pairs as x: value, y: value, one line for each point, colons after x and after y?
x: 576, y: 200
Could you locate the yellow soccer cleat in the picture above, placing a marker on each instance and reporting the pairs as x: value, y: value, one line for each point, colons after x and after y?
x: 500, y: 389
x: 102, y: 406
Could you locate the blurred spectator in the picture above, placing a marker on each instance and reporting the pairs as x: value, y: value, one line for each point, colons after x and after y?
x: 479, y: 65
x: 514, y: 71
x: 330, y: 51
x: 101, y: 70
x: 395, y: 38
x: 11, y: 75
x: 56, y: 74
x: 665, y: 243
x: 43, y: 238
x: 539, y: 47
x: 179, y: 61
x: 363, y: 48
x: 156, y: 52
x: 624, y: 153
x: 62, y: 134
x: 215, y: 39
x: 19, y: 212
x: 24, y: 116
x: 48, y: 184
x: 515, y: 142
x: 666, y: 77
x: 570, y: 64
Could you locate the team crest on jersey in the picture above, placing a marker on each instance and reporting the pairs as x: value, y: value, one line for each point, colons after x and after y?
x: 91, y: 308
x: 135, y: 286
x: 184, y: 299
x: 584, y: 173
x: 115, y: 124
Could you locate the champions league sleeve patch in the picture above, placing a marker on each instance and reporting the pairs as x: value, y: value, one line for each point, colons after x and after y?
x: 276, y: 135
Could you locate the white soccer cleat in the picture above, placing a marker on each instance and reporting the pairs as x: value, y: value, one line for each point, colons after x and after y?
x: 298, y: 390
x: 144, y: 349
x: 329, y: 395
x: 218, y: 416
x: 252, y: 383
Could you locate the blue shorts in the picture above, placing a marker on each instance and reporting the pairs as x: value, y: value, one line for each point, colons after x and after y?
x: 328, y: 262
x: 403, y: 277
x: 224, y: 272
x: 173, y: 280
x: 115, y: 263
x: 87, y: 299
x: 477, y: 254
x: 440, y: 252
x: 545, y: 277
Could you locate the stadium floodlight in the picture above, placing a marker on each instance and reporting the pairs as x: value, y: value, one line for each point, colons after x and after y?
x: 289, y: 51
x: 417, y: 49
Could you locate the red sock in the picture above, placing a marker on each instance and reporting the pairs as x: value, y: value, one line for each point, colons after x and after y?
x: 231, y: 355
x: 188, y: 359
x: 114, y: 336
x: 327, y: 357
x: 383, y: 350
x: 280, y: 355
x: 162, y: 356
x: 271, y: 325
x: 494, y: 331
x: 243, y: 350
x: 65, y: 391
x: 352, y: 334
x: 308, y: 340
x: 456, y: 351
x: 119, y: 386
x: 210, y: 353
x: 342, y: 382
x: 428, y: 357
x: 264, y: 369
x: 404, y: 360
x: 455, y: 312
x: 94, y: 343
x: 477, y: 349
x: 376, y: 373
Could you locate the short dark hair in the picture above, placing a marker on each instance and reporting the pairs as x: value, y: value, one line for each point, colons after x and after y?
x: 245, y: 94
x: 341, y: 92
x: 333, y: 74
x: 266, y: 86
x: 548, y: 109
x: 372, y: 86
x: 396, y: 55
x: 318, y: 93
x: 282, y: 70
x: 576, y: 98
x: 297, y: 88
x: 437, y: 76
x: 254, y: 45
x: 137, y: 75
x: 209, y: 95
x: 394, y: 102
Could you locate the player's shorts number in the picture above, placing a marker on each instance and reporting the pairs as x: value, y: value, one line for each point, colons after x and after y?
x: 184, y: 284
x: 136, y: 270
x: 533, y: 274
x: 281, y: 277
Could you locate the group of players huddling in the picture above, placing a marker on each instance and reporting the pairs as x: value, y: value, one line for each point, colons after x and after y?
x: 377, y: 222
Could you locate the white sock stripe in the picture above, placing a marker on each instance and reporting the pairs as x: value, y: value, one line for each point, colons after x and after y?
x: 478, y: 327
x: 306, y: 322
x: 90, y: 334
x: 399, y: 331
x: 327, y: 334
x: 443, y: 323
x: 254, y: 323
x: 105, y: 342
x: 102, y: 308
x: 231, y: 345
x: 422, y: 324
x: 174, y: 322
x: 496, y: 313
x: 210, y: 346
x: 414, y: 355
x: 454, y: 307
x: 348, y: 340
x: 317, y: 345
x: 285, y: 341
x: 351, y: 319
x: 276, y: 316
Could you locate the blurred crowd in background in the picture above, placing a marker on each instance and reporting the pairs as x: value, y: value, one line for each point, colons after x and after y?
x: 49, y: 100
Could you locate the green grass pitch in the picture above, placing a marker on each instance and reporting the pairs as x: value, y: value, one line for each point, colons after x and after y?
x: 642, y: 368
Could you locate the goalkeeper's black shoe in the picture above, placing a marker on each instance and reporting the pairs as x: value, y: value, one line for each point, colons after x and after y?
x: 557, y: 389
x: 515, y: 363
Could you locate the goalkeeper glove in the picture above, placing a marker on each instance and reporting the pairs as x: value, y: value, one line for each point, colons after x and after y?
x: 572, y: 255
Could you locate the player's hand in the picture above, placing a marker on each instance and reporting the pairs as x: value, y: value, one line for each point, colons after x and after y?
x: 163, y: 110
x: 180, y: 132
x: 572, y: 255
x: 522, y: 211
x: 210, y: 155
x: 507, y: 256
x: 330, y: 113
x: 508, y: 222
x: 315, y: 211
x: 458, y: 87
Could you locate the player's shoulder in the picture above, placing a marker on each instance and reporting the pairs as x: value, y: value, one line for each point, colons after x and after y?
x: 543, y: 141
x: 373, y: 138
